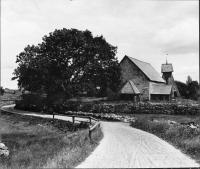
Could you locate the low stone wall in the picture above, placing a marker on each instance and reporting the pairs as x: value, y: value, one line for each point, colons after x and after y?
x: 147, y: 107
x: 123, y: 107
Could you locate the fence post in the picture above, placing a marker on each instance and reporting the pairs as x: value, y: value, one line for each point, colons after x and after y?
x: 53, y: 115
x: 73, y: 119
x: 90, y: 134
x: 90, y: 120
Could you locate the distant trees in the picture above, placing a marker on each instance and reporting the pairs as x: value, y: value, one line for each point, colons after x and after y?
x: 68, y: 62
x: 182, y: 87
x: 2, y: 90
x: 190, y: 89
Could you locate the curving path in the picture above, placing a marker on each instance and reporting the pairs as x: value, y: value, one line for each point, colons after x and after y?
x: 127, y: 147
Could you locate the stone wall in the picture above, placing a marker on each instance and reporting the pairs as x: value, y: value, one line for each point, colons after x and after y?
x: 147, y: 107
x: 131, y: 71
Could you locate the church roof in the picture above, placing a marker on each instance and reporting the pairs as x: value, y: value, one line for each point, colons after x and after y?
x: 166, y: 68
x: 156, y: 88
x: 129, y: 88
x: 147, y: 69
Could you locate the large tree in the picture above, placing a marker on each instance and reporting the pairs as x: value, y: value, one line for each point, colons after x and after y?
x: 68, y: 61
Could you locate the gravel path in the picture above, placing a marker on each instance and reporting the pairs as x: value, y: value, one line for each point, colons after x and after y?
x: 127, y: 147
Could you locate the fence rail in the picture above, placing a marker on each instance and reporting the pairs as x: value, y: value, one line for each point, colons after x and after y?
x: 91, y: 128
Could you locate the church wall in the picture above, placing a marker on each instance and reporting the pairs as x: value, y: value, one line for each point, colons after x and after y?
x: 131, y: 71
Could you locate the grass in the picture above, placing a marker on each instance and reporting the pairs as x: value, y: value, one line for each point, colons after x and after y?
x: 165, y: 117
x: 68, y: 158
x: 184, y: 138
x: 36, y: 142
x: 10, y: 96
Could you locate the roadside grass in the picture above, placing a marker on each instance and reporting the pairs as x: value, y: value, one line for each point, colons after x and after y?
x: 184, y: 138
x: 10, y: 96
x: 35, y: 142
x: 165, y: 117
x: 74, y: 155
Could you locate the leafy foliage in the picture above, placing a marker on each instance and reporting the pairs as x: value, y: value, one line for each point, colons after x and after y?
x: 190, y: 90
x: 182, y: 87
x: 67, y: 63
x: 2, y: 90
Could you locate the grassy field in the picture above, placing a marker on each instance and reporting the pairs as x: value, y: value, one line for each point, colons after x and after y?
x: 36, y: 142
x: 10, y: 96
x: 165, y: 118
x: 184, y: 138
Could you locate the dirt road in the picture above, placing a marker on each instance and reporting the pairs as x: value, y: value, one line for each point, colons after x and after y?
x: 127, y: 147
x: 124, y: 147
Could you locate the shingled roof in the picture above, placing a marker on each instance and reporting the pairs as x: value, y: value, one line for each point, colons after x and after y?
x: 148, y: 70
x: 156, y: 88
x: 129, y: 88
x: 167, y: 68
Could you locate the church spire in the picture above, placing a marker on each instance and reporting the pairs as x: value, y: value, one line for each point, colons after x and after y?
x: 166, y: 60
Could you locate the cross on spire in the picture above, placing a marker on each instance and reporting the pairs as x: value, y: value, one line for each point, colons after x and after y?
x: 166, y: 60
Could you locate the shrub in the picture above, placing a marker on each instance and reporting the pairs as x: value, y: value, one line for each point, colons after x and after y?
x: 111, y: 96
x: 86, y: 107
x: 31, y: 102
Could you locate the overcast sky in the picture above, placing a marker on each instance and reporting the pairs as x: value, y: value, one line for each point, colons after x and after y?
x: 145, y: 30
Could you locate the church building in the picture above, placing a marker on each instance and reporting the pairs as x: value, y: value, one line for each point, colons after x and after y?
x: 140, y: 81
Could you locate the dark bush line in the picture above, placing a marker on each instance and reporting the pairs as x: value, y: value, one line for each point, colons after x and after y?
x: 37, y: 103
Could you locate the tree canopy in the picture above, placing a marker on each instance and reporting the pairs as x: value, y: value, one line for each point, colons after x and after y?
x: 2, y: 90
x: 190, y: 89
x: 68, y: 61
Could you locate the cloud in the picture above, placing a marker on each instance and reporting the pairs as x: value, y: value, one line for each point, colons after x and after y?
x: 15, y: 36
x: 181, y: 39
x: 130, y: 25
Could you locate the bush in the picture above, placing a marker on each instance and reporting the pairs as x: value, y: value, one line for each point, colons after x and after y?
x: 2, y: 90
x: 31, y: 102
x: 86, y: 107
x: 111, y: 96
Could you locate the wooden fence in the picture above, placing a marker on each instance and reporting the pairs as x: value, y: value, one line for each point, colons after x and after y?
x: 91, y: 128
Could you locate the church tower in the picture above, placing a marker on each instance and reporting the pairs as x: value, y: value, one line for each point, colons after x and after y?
x: 166, y: 71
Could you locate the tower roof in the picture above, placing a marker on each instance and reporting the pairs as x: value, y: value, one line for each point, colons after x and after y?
x: 167, y: 68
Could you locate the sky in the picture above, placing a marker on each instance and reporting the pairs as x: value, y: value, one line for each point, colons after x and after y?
x: 146, y: 30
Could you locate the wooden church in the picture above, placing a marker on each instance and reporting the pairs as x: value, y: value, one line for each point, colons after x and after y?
x: 140, y: 81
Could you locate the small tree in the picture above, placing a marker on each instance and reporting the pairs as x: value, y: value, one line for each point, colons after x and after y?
x: 193, y: 88
x: 189, y: 80
x: 2, y: 90
x: 190, y: 90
